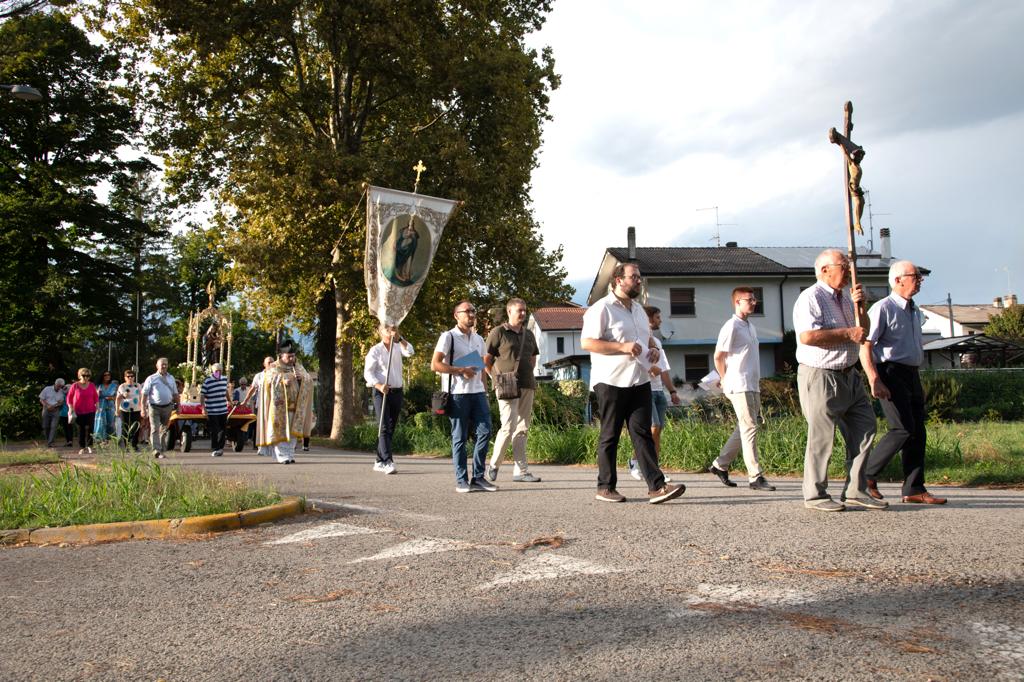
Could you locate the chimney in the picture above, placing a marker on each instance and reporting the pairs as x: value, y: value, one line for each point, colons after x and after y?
x: 884, y: 245
x: 731, y: 245
x: 997, y: 302
x: 631, y: 244
x: 1009, y: 300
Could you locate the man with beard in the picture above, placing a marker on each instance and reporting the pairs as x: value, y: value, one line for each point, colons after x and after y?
x: 285, y: 405
x: 617, y: 334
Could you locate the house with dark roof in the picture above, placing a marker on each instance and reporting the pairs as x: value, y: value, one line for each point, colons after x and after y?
x: 962, y: 319
x: 557, y: 330
x: 693, y: 288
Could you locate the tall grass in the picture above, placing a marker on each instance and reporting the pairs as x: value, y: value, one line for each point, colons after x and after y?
x: 124, y: 489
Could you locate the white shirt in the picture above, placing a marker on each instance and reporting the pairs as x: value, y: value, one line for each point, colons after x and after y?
x: 377, y: 364
x: 609, y: 320
x: 656, y: 383
x: 738, y: 338
x: 52, y: 397
x: 464, y: 345
x: 159, y: 389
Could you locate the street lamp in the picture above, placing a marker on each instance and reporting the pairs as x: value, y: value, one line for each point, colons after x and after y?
x: 25, y: 92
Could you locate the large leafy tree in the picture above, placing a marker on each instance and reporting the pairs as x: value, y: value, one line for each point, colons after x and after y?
x: 61, y: 293
x: 1008, y: 325
x: 278, y: 110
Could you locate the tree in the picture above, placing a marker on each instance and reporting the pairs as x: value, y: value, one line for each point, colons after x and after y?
x: 1007, y: 325
x: 59, y: 289
x: 277, y: 111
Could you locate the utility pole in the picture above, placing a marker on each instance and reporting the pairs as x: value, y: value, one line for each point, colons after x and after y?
x: 949, y: 308
x: 718, y: 225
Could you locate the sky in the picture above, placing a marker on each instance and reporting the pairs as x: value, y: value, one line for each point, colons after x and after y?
x: 666, y: 108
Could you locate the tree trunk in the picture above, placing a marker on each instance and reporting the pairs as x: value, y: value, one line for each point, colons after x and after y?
x: 325, y: 342
x: 345, y: 408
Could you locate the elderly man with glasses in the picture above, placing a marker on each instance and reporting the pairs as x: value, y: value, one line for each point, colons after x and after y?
x: 891, y: 356
x: 831, y: 391
x: 460, y: 354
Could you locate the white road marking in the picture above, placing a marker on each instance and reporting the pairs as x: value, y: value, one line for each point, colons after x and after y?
x: 327, y: 530
x: 1001, y: 641
x: 737, y: 595
x: 415, y: 547
x: 364, y: 509
x: 548, y: 567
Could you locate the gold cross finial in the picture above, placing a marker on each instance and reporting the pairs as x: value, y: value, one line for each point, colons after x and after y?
x: 419, y: 168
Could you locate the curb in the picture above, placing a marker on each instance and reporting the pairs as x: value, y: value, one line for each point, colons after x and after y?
x: 155, y: 529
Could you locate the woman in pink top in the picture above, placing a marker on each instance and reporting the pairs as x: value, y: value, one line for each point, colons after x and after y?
x: 82, y: 400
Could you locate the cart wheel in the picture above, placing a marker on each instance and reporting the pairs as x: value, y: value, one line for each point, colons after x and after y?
x: 170, y: 438
x: 239, y: 440
x: 186, y: 439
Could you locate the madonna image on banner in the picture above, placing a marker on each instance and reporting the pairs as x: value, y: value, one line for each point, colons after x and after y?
x: 405, y: 250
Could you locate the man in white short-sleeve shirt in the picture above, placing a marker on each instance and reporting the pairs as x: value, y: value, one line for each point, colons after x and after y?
x: 617, y: 334
x: 469, y: 405
x: 738, y: 361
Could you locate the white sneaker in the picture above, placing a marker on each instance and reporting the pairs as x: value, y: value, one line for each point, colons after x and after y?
x: 88, y: 451
x: 634, y: 470
x: 378, y: 466
x: 389, y: 468
x: 668, y: 479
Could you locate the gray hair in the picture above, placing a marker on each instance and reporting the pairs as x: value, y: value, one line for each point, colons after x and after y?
x: 824, y: 258
x: 59, y: 382
x: 897, y: 269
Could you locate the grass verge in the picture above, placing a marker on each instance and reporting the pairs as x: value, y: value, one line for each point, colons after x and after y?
x: 38, y: 456
x: 121, y: 489
x: 972, y: 453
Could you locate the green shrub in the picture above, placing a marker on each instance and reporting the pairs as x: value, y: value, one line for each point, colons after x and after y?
x: 19, y: 412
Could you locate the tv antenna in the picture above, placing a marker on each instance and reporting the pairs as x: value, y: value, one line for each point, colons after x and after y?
x: 871, y: 222
x: 718, y: 225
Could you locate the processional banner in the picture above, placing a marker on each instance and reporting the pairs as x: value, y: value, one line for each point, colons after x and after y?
x: 402, y: 233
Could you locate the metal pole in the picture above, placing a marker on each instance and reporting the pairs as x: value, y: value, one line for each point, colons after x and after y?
x: 949, y: 307
x: 384, y: 400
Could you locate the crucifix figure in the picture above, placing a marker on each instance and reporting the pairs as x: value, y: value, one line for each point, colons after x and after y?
x: 419, y: 168
x: 853, y: 153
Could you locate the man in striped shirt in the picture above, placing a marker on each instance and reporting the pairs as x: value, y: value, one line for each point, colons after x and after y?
x: 214, y: 397
x: 831, y: 390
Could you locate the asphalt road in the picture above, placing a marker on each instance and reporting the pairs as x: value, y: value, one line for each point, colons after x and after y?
x: 398, y: 577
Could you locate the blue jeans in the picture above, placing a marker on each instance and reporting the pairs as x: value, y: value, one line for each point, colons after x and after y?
x: 659, y: 408
x: 467, y: 409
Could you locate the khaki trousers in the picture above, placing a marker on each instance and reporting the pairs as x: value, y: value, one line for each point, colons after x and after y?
x: 515, y: 421
x: 748, y: 409
x: 830, y: 399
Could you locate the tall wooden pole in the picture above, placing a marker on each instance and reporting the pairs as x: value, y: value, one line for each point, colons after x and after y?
x: 852, y: 155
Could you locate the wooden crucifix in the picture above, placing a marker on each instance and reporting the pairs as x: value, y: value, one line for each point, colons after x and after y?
x: 853, y: 154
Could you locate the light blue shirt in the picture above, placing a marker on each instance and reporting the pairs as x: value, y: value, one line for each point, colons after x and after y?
x: 896, y: 331
x: 159, y: 389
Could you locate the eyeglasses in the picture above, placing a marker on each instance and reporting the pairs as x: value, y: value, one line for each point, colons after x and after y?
x: 912, y: 275
x: 468, y: 311
x: 635, y: 278
x: 844, y: 266
x: 752, y: 300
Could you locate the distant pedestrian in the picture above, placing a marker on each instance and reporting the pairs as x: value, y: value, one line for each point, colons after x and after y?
x: 159, y: 395
x: 83, y: 400
x: 252, y: 399
x: 129, y: 407
x: 106, y: 413
x: 660, y: 378
x: 459, y: 353
x: 891, y: 357
x: 617, y: 334
x: 831, y: 388
x: 738, y: 361
x: 52, y: 400
x: 383, y: 373
x: 214, y: 397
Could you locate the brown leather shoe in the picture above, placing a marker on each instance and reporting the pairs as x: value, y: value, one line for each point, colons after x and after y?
x: 604, y: 495
x: 873, y: 490
x: 924, y: 498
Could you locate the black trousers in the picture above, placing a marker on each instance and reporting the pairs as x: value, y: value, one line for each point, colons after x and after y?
x: 130, y: 427
x: 217, y: 425
x: 632, y: 407
x: 85, y: 422
x: 391, y: 407
x: 906, y: 416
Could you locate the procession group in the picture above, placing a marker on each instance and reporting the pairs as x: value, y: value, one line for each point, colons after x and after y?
x: 630, y: 377
x: 631, y: 380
